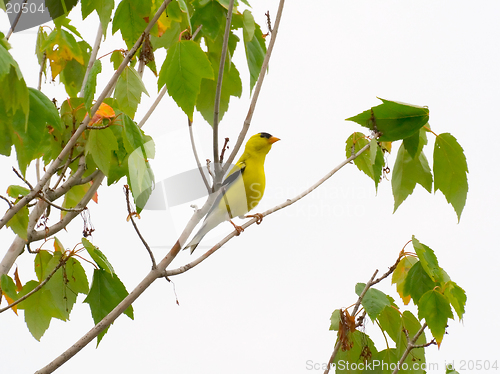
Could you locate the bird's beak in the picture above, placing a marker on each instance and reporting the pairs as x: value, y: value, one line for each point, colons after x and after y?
x: 273, y: 139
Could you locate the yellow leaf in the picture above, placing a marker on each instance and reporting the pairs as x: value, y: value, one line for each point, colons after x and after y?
x: 10, y: 301
x: 104, y: 111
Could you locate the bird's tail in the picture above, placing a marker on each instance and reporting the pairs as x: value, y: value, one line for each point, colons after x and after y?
x: 197, y: 238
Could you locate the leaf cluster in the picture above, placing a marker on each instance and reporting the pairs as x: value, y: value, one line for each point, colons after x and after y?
x: 59, y: 291
x: 393, y: 121
x: 418, y: 277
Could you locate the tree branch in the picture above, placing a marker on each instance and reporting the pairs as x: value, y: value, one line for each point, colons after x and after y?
x: 93, y: 57
x: 256, y: 92
x: 411, y: 345
x: 14, y: 24
x: 218, y: 90
x: 158, y: 272
x: 195, y: 153
x: 288, y: 202
x: 153, y: 107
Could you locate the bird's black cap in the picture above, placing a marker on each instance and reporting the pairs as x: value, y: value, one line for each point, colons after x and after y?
x: 265, y: 135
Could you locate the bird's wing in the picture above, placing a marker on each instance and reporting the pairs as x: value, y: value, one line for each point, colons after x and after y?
x: 232, y: 177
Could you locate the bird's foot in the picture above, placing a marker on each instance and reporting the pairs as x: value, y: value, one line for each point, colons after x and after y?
x: 238, y: 229
x: 259, y: 217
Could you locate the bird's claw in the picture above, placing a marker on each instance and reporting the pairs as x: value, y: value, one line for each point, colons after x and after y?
x: 259, y: 217
x: 238, y: 229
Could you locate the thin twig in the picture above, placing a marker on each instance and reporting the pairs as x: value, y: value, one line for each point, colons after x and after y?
x: 60, y: 207
x: 14, y: 24
x: 411, y: 345
x: 55, y: 228
x: 258, y: 86
x: 195, y: 153
x: 131, y: 216
x: 37, y: 288
x: 7, y: 200
x: 223, y: 151
x: 64, y: 168
x: 42, y: 69
x: 389, y: 272
x: 153, y: 107
x: 218, y: 90
x: 93, y: 57
x: 22, y: 178
x: 196, y: 31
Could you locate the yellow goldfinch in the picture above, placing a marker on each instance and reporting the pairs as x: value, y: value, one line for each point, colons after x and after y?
x: 242, y: 189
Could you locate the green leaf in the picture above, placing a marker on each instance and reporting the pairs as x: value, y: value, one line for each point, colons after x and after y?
x: 411, y: 325
x: 42, y: 265
x: 415, y: 143
x: 184, y: 68
x: 74, y: 196
x: 399, y: 276
x: 450, y: 369
x: 19, y: 223
x: 436, y: 310
x: 417, y: 283
x: 363, y: 350
x: 407, y: 173
x: 33, y: 140
x: 16, y: 191
x: 39, y: 309
x: 73, y: 72
x: 213, y: 18
x: 374, y: 300
x: 393, y: 120
x: 384, y: 361
x: 90, y: 85
x: 248, y: 25
x: 231, y: 86
x: 456, y: 296
x: 106, y: 293
x: 129, y: 19
x: 134, y: 138
x: 8, y: 286
x: 16, y: 97
x: 99, y: 257
x: 371, y: 162
x: 41, y: 37
x: 128, y: 91
x: 140, y: 176
x: 169, y: 37
x: 65, y: 22
x: 450, y: 171
x: 429, y: 261
x: 390, y: 321
x: 335, y: 320
x: 104, y: 9
x: 59, y: 7
x: 100, y: 145
x: 255, y: 50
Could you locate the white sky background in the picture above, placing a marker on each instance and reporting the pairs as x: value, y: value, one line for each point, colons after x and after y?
x: 262, y: 303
